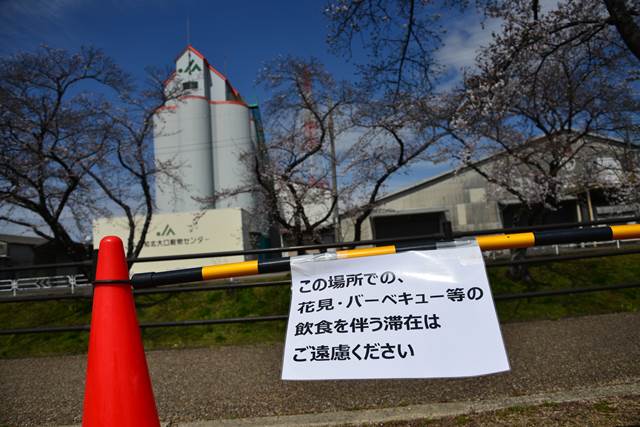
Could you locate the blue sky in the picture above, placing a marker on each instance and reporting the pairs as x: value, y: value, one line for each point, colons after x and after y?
x: 236, y: 37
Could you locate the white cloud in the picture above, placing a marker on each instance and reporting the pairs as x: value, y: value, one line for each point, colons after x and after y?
x: 465, y: 36
x: 468, y: 33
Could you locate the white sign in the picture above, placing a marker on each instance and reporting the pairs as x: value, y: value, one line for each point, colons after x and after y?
x: 183, y: 233
x: 427, y: 314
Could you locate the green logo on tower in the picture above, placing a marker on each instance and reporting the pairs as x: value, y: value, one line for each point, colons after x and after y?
x: 191, y: 68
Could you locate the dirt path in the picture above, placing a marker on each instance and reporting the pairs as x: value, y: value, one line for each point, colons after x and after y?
x: 244, y: 381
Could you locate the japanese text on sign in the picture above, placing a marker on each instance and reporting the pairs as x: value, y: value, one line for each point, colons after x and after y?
x: 412, y: 315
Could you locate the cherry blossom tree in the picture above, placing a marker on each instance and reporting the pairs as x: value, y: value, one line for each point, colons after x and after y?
x: 127, y: 169
x: 293, y: 166
x: 624, y: 172
x: 376, y: 139
x: 614, y: 23
x: 558, y: 73
x: 536, y: 111
x: 74, y: 137
x: 533, y: 112
x: 400, y: 114
x: 399, y: 38
x: 393, y: 137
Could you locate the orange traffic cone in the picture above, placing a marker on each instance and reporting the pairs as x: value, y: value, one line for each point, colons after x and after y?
x: 118, y: 389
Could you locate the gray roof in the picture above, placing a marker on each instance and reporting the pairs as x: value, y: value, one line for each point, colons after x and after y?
x: 446, y: 175
x: 22, y: 240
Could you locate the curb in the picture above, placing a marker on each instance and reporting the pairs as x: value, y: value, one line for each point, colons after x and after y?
x: 420, y: 412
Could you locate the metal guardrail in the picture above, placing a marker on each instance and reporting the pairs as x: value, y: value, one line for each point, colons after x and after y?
x: 240, y: 285
x: 22, y: 284
x: 486, y: 243
x: 62, y: 281
x: 15, y: 286
x: 325, y: 246
x: 73, y: 282
x: 279, y: 317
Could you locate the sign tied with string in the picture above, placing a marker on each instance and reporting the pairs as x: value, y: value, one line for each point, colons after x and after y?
x: 419, y: 314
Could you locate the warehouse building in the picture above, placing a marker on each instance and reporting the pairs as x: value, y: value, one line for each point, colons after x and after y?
x: 465, y: 199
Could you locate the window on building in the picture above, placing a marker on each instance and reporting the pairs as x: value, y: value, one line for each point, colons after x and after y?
x: 189, y: 85
x: 517, y: 215
x: 407, y: 225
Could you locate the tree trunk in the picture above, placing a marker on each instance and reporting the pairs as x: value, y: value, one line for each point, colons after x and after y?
x: 519, y: 272
x: 357, y: 229
x: 624, y: 22
x: 525, y: 217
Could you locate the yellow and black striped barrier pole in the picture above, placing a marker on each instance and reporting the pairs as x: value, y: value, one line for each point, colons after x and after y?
x: 486, y: 243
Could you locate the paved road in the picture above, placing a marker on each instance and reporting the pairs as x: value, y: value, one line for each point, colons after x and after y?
x: 243, y: 381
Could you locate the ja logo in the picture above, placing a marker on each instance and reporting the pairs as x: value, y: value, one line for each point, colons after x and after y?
x: 167, y: 231
x: 192, y: 67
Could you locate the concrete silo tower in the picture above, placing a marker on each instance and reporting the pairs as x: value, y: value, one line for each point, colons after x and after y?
x: 204, y: 134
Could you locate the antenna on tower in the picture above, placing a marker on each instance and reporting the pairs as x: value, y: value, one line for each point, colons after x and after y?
x: 188, y: 32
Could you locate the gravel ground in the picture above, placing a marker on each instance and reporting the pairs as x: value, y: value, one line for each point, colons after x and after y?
x: 244, y: 381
